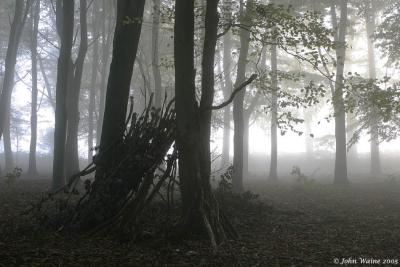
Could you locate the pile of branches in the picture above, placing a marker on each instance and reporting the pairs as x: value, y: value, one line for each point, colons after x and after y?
x: 141, y: 164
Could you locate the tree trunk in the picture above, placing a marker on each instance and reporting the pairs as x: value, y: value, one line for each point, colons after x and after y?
x: 238, y: 102
x: 65, y: 25
x: 155, y: 54
x: 186, y: 105
x: 20, y: 15
x: 273, y: 169
x: 93, y: 79
x: 375, y: 167
x: 126, y: 41
x: 340, y: 176
x: 227, y: 90
x: 8, y: 154
x: 200, y: 212
x: 71, y: 151
x: 246, y: 152
x: 309, y: 144
x: 247, y: 116
x: 106, y: 46
x: 32, y: 170
x: 47, y: 84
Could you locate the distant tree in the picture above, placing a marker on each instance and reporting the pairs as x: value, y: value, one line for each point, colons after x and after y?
x: 75, y: 72
x: 94, y: 75
x: 35, y: 13
x: 227, y: 90
x: 20, y: 15
x: 65, y: 27
x: 340, y: 176
x: 238, y: 117
x: 107, y: 26
x: 273, y: 170
x: 155, y: 54
x: 370, y: 24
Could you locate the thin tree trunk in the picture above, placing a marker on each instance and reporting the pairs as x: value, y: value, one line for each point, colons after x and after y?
x: 375, y: 167
x: 8, y: 153
x: 20, y: 15
x: 155, y: 54
x: 309, y: 144
x: 340, y: 176
x: 273, y: 169
x: 238, y: 102
x: 207, y: 88
x: 47, y: 84
x: 247, y: 116
x: 32, y: 170
x: 65, y: 26
x: 227, y: 90
x: 106, y: 47
x: 246, y: 141
x: 93, y: 80
x: 71, y: 151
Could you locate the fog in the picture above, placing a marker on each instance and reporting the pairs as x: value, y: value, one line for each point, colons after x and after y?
x: 199, y: 132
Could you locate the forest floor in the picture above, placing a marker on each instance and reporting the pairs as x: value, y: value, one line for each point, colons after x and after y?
x: 300, y: 224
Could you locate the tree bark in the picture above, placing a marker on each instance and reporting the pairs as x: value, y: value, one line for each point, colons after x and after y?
x: 126, y: 41
x: 65, y: 26
x: 186, y: 105
x: 238, y: 119
x: 200, y: 212
x: 155, y: 54
x: 273, y: 169
x: 340, y: 176
x: 32, y: 170
x: 71, y: 151
x: 375, y: 163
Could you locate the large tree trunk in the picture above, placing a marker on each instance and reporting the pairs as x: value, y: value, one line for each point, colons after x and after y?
x: 155, y: 54
x: 375, y: 167
x: 71, y: 150
x: 238, y: 102
x: 20, y: 15
x: 106, y: 33
x: 186, y: 105
x: 32, y: 170
x: 65, y: 25
x: 200, y: 212
x: 340, y: 176
x: 126, y: 41
x: 273, y: 169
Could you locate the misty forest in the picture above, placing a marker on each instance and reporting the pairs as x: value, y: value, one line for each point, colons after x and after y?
x: 199, y: 132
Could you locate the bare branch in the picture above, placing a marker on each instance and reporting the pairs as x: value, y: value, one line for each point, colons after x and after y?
x: 237, y: 90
